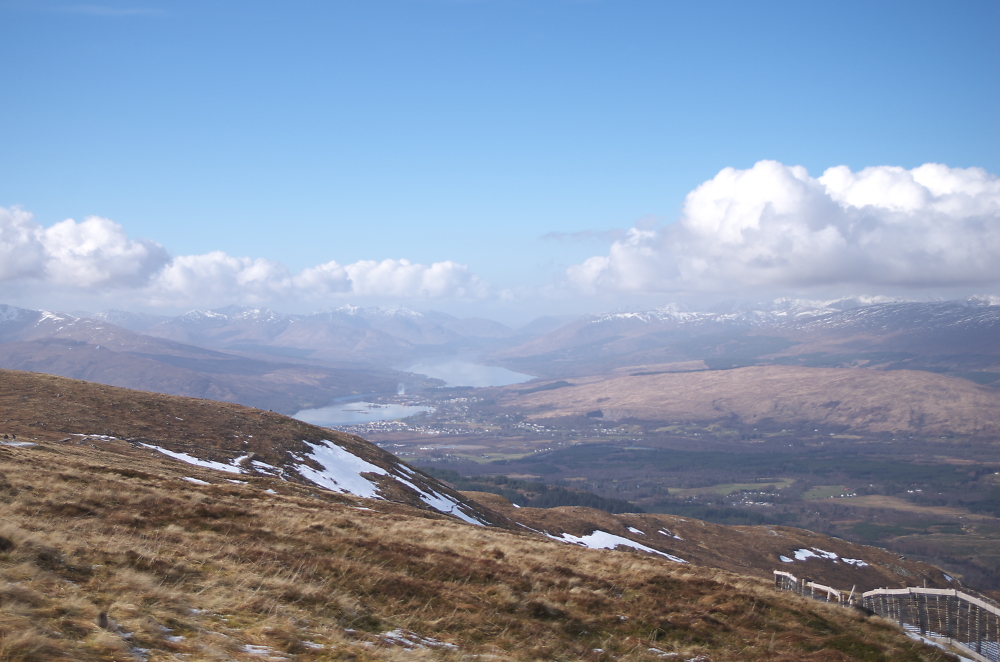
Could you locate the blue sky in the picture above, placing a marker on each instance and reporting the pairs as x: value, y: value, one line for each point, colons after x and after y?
x: 515, y: 138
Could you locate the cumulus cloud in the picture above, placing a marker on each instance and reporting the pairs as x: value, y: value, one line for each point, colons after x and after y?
x: 402, y: 278
x: 22, y: 254
x: 773, y: 225
x: 96, y: 252
x: 98, y: 257
x: 216, y: 278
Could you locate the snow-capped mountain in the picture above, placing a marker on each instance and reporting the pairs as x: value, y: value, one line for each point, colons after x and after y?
x: 125, y: 319
x: 354, y: 333
x: 747, y: 314
x: 96, y: 350
x: 964, y: 335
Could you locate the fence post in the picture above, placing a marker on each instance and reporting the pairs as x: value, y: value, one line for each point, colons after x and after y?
x: 922, y: 613
x: 979, y: 631
x: 949, y: 615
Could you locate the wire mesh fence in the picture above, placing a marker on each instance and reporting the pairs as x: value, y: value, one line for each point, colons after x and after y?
x: 969, y: 623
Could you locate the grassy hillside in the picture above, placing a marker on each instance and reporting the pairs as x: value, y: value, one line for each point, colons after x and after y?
x: 871, y: 401
x: 45, y: 407
x: 111, y: 553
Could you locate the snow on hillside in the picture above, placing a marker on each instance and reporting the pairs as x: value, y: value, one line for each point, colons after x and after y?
x: 604, y: 540
x: 340, y: 471
x: 13, y: 313
x: 190, y: 459
x: 871, y: 312
x: 817, y: 553
x: 745, y: 313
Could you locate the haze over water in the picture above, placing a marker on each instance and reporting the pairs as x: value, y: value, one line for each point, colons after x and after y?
x: 351, y: 413
x: 461, y: 370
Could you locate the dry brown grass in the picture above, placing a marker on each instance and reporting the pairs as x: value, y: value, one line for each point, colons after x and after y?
x: 46, y: 407
x: 748, y: 550
x: 895, y: 503
x: 864, y: 400
x: 186, y: 571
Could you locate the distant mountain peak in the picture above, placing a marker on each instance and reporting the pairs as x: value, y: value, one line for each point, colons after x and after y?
x: 982, y: 301
x: 782, y: 309
x: 379, y: 311
x: 201, y: 315
x: 10, y: 313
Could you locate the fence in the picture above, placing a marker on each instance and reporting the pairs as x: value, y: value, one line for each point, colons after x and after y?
x: 786, y: 581
x: 968, y: 623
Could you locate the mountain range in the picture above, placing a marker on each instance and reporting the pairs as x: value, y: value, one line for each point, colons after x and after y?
x: 287, y: 363
x: 349, y: 333
x: 99, y: 351
x: 954, y: 337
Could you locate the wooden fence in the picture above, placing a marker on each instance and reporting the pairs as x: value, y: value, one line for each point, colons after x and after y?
x: 969, y: 623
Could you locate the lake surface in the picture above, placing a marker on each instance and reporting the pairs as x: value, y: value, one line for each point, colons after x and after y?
x: 462, y: 370
x: 352, y: 413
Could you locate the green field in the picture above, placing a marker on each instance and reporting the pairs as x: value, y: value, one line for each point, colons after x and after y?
x: 825, y: 492
x: 730, y: 488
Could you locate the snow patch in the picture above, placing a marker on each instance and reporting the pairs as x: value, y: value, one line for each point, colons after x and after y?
x: 635, y: 530
x: 262, y: 651
x: 605, y: 540
x: 264, y: 467
x: 815, y: 552
x: 442, y: 503
x: 190, y: 459
x: 931, y: 642
x: 195, y: 480
x: 411, y: 640
x: 341, y: 471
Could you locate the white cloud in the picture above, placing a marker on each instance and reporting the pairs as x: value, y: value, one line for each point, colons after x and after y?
x: 97, y: 252
x: 775, y: 226
x: 401, y: 278
x: 96, y: 257
x: 94, y: 253
x: 217, y: 278
x: 21, y: 252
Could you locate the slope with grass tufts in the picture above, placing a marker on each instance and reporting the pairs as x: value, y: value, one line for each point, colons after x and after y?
x: 220, y: 436
x: 109, y: 551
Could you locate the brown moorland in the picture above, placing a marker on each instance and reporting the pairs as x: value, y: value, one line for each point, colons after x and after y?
x: 110, y: 553
x: 748, y: 550
x: 46, y: 407
x: 867, y: 401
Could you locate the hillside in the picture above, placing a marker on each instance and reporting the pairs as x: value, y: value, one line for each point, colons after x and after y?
x: 858, y: 400
x: 956, y: 337
x: 111, y: 552
x: 141, y: 526
x: 99, y: 351
x: 383, y: 336
x: 747, y: 550
x: 230, y: 438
